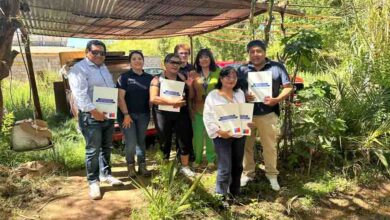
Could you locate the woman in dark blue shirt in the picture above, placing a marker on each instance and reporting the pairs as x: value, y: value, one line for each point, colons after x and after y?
x: 134, y: 112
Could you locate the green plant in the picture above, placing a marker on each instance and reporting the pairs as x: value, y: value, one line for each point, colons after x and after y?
x: 317, y: 127
x: 301, y: 50
x: 170, y: 197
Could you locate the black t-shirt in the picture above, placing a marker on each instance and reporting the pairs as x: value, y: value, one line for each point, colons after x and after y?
x: 186, y: 69
x: 137, y: 90
x: 183, y: 109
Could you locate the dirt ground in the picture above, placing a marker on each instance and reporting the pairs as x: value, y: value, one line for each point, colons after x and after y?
x: 71, y: 201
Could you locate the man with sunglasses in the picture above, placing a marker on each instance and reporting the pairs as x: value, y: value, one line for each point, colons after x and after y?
x: 96, y: 129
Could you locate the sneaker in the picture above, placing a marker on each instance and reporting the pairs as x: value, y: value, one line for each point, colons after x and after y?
x: 94, y: 191
x: 195, y: 165
x: 244, y: 180
x: 131, y: 171
x: 111, y: 180
x: 143, y: 170
x: 211, y: 166
x: 274, y: 183
x: 187, y: 172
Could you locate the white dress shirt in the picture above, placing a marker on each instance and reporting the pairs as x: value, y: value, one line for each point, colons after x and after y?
x: 83, y: 76
x: 209, y: 117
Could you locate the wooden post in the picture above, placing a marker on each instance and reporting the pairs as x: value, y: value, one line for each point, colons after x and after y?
x: 192, y: 50
x: 31, y: 77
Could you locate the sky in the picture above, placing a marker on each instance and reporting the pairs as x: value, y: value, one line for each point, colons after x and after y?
x: 77, y: 42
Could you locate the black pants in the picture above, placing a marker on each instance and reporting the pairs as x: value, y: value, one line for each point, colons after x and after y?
x: 230, y: 153
x: 166, y: 122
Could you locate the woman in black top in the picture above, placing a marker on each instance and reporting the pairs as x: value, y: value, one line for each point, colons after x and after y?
x: 180, y: 121
x: 135, y: 111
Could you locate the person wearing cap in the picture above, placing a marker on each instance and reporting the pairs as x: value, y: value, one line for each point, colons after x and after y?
x: 265, y: 115
x: 134, y: 114
x: 179, y: 121
x: 96, y: 129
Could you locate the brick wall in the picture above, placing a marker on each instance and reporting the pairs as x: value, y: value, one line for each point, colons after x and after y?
x: 46, y: 62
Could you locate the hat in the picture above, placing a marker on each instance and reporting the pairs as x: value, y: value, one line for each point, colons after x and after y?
x: 35, y: 127
x: 171, y: 57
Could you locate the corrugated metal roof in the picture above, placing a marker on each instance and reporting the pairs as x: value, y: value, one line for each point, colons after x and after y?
x: 132, y: 19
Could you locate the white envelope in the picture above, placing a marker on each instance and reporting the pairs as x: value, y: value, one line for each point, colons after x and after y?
x: 171, y: 89
x: 105, y: 100
x: 246, y: 116
x: 260, y: 84
x: 228, y: 117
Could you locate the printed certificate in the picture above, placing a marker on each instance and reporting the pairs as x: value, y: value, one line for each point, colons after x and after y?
x: 106, y: 100
x: 246, y: 116
x: 173, y: 90
x: 260, y: 84
x: 228, y: 117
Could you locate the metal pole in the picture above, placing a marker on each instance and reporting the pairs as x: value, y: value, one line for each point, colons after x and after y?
x: 31, y: 77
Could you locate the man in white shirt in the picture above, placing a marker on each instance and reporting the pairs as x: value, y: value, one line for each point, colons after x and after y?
x: 96, y: 128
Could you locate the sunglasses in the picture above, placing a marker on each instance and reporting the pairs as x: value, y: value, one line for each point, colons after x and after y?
x: 174, y: 63
x: 98, y: 52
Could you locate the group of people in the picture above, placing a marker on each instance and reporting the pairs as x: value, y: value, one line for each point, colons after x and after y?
x: 195, y: 123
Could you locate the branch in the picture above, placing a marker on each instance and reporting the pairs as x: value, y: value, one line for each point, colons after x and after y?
x: 267, y: 28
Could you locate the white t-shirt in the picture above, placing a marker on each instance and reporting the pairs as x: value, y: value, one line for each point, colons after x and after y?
x: 209, y: 117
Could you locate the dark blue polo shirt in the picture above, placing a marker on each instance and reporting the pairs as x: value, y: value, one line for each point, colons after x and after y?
x: 137, y: 90
x: 279, y: 78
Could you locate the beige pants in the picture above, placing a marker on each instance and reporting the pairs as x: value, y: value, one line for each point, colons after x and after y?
x: 267, y: 129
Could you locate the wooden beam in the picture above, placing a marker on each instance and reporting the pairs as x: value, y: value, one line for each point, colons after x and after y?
x: 31, y: 77
x: 192, y: 49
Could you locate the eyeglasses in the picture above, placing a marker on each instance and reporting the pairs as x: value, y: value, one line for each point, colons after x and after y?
x: 174, y: 63
x: 231, y: 77
x: 98, y: 52
x: 184, y: 53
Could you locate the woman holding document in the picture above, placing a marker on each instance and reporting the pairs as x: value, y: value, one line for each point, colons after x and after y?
x: 229, y: 143
x: 135, y: 111
x: 170, y: 94
x: 204, y: 82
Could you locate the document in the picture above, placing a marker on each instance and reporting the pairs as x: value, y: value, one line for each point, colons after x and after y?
x: 173, y: 90
x: 246, y: 116
x: 105, y: 100
x: 228, y: 117
x: 260, y: 84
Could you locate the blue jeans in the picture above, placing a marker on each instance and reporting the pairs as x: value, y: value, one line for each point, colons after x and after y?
x: 98, y: 138
x: 230, y: 153
x: 135, y: 137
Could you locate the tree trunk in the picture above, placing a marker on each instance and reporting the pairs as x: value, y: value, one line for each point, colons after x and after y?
x: 1, y: 106
x: 8, y: 24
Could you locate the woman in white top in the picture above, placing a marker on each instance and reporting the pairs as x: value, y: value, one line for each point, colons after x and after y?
x: 229, y: 148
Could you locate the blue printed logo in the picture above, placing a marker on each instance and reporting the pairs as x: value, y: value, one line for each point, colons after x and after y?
x: 103, y: 100
x: 172, y: 93
x: 244, y: 117
x: 260, y: 85
x: 227, y: 117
